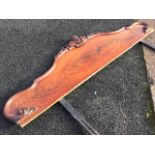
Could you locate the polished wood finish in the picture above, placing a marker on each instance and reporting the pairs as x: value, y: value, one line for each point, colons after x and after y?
x: 81, y: 59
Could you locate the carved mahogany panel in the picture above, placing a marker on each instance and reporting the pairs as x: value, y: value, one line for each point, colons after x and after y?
x: 81, y: 59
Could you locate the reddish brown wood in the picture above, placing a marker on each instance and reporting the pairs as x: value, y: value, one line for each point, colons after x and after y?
x: 83, y: 57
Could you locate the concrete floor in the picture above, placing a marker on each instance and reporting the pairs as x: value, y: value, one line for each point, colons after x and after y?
x: 27, y: 50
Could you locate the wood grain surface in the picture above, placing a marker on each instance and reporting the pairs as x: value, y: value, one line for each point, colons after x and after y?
x: 81, y: 59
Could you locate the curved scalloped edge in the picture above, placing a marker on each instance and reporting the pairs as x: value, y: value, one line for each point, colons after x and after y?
x: 80, y: 41
x: 68, y: 48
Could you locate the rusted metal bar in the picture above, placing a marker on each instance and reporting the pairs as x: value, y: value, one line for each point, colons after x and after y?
x: 148, y: 44
x: 78, y: 117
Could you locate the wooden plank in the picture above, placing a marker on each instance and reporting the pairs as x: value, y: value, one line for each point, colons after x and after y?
x: 83, y: 57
